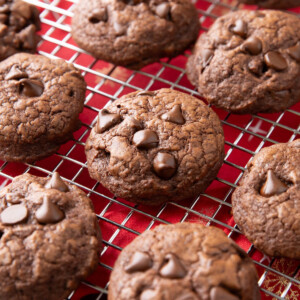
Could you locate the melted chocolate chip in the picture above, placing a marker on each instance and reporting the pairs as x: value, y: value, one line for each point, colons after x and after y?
x: 164, y: 165
x: 272, y: 186
x: 145, y: 93
x: 172, y: 267
x: 275, y: 61
x: 56, y: 183
x: 14, y: 214
x: 15, y: 73
x: 106, y: 120
x: 252, y: 45
x: 99, y: 15
x: 162, y: 10
x: 49, y: 212
x: 140, y: 261
x: 145, y: 139
x: 239, y: 28
x: 294, y: 52
x: 206, y: 55
x: 217, y: 293
x: 174, y: 115
x: 31, y: 88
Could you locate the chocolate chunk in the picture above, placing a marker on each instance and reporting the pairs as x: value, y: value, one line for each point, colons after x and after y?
x: 119, y: 28
x: 162, y: 10
x: 106, y: 120
x: 49, y: 212
x: 31, y: 88
x: 145, y: 139
x: 14, y: 214
x: 172, y: 268
x: 217, y: 293
x: 252, y: 45
x: 174, y: 115
x: 272, y: 186
x: 145, y: 93
x: 164, y: 165
x: 56, y: 183
x: 294, y: 52
x: 275, y: 61
x: 140, y: 261
x: 15, y: 73
x: 149, y: 295
x: 99, y: 15
x: 206, y: 55
x: 239, y: 28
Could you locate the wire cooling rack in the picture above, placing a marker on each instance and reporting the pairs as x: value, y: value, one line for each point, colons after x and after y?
x: 122, y: 221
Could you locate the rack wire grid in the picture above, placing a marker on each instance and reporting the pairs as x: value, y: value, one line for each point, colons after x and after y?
x: 122, y: 221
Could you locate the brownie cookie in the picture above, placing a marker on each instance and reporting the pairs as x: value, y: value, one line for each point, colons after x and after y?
x: 19, y: 23
x: 154, y: 147
x: 249, y: 62
x: 266, y: 205
x: 49, y: 238
x: 40, y: 103
x: 184, y: 261
x: 273, y: 3
x: 134, y: 33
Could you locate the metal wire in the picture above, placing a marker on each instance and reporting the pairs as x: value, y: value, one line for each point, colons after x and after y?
x: 277, y: 128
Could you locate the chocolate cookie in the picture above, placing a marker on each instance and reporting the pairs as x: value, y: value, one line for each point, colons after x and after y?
x: 40, y: 103
x: 266, y: 205
x: 273, y: 3
x: 49, y: 238
x: 249, y: 62
x: 184, y: 261
x: 19, y: 23
x: 154, y: 147
x: 134, y: 33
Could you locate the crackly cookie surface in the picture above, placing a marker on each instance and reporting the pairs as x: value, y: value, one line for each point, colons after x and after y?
x: 266, y: 205
x: 153, y: 147
x: 49, y: 238
x: 19, y: 23
x: 137, y: 32
x: 273, y: 3
x: 249, y: 62
x: 40, y: 103
x: 183, y: 262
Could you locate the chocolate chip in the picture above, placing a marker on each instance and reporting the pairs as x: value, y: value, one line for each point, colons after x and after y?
x: 206, y: 55
x: 252, y: 45
x: 174, y: 115
x: 49, y: 212
x: 149, y: 295
x: 294, y: 52
x: 145, y: 139
x: 217, y: 293
x: 140, y: 261
x: 119, y: 28
x: 239, y: 28
x: 56, y: 183
x: 172, y: 267
x: 106, y: 120
x: 162, y: 10
x: 275, y: 61
x: 99, y: 15
x: 145, y: 93
x: 31, y: 88
x: 164, y: 165
x: 272, y: 186
x: 15, y: 73
x: 14, y: 214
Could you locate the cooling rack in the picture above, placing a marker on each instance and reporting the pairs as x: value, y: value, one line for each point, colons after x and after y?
x: 122, y: 221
